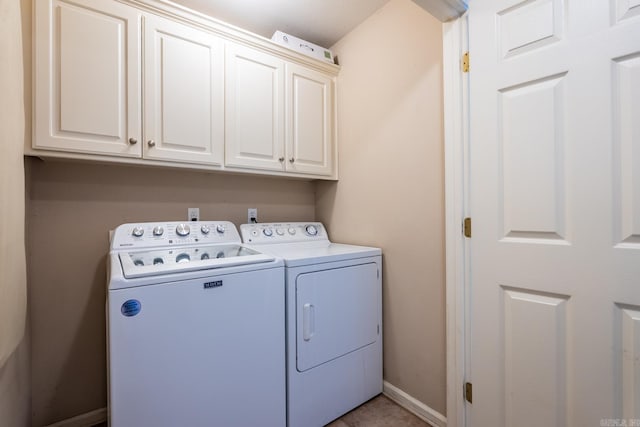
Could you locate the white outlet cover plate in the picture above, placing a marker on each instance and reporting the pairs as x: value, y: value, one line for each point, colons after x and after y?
x: 252, y: 213
x: 193, y: 214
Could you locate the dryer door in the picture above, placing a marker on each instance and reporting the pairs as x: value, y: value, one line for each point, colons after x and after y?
x: 336, y: 313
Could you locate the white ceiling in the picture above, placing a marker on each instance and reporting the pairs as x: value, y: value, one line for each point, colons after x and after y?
x: 322, y: 22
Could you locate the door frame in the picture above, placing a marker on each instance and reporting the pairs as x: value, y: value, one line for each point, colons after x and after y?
x: 456, y: 166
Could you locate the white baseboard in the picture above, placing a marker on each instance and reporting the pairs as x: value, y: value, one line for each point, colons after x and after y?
x: 413, y: 405
x: 84, y: 420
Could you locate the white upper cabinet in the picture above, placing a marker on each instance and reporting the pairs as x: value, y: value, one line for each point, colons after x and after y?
x: 87, y: 77
x: 310, y: 113
x: 144, y: 82
x: 254, y: 109
x: 279, y: 115
x: 183, y: 93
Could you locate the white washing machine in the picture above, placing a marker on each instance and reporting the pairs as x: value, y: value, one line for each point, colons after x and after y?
x: 196, y: 331
x: 334, y: 319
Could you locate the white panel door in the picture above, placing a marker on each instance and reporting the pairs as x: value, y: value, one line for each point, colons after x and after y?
x: 184, y: 93
x: 310, y: 132
x: 554, y: 297
x: 254, y: 109
x: 87, y: 77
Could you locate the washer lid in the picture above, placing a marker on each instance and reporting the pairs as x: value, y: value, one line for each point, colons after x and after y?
x: 173, y: 260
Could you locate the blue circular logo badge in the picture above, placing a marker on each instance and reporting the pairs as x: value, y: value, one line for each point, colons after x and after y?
x: 131, y: 307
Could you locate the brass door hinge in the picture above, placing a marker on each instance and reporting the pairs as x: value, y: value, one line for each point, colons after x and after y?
x: 465, y: 62
x: 466, y: 227
x: 468, y: 392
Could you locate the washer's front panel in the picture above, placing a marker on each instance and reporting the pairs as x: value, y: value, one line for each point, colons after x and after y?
x: 205, y: 352
x: 336, y: 313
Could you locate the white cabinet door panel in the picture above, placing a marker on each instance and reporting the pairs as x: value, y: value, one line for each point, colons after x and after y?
x: 309, y: 121
x: 184, y: 103
x: 254, y: 109
x: 87, y: 77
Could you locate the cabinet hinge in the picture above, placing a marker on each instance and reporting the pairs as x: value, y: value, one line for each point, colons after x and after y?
x: 378, y: 329
x: 466, y: 227
x: 468, y: 392
x: 465, y: 62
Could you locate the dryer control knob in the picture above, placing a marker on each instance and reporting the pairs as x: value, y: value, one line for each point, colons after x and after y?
x: 138, y: 231
x: 157, y: 231
x: 311, y: 230
x: 205, y: 229
x: 292, y: 231
x: 267, y: 232
x: 183, y: 230
x: 280, y: 231
x: 220, y: 228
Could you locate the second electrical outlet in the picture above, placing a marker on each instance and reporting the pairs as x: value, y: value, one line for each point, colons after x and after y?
x: 252, y: 215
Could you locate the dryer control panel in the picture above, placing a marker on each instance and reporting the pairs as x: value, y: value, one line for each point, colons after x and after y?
x: 283, y: 232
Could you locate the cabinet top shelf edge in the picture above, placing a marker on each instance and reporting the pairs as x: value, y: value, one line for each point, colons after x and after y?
x: 169, y: 9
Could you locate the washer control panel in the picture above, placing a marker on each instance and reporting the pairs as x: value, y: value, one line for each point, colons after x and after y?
x: 282, y: 232
x: 152, y: 234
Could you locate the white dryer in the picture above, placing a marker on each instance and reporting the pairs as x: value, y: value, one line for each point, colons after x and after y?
x: 196, y: 331
x: 334, y: 319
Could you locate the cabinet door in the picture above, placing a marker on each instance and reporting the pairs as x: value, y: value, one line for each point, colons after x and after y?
x: 87, y: 77
x: 310, y: 130
x: 254, y: 109
x: 183, y: 100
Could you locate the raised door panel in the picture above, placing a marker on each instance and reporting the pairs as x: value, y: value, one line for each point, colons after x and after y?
x: 184, y: 86
x: 535, y: 352
x: 532, y: 163
x: 627, y: 354
x: 254, y: 109
x: 87, y: 77
x: 309, y: 121
x: 626, y: 150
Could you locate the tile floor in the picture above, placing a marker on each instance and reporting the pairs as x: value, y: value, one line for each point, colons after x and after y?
x: 379, y: 412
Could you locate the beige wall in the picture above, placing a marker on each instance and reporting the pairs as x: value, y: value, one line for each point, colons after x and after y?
x: 15, y: 27
x: 73, y: 206
x: 391, y: 174
x: 14, y: 388
x: 391, y: 191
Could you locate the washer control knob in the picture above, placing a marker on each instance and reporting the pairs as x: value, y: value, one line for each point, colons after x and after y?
x: 205, y: 229
x: 311, y: 230
x: 138, y: 231
x: 183, y: 230
x: 280, y: 231
x: 267, y: 232
x: 220, y: 228
x: 254, y: 233
x: 158, y: 231
x: 292, y: 231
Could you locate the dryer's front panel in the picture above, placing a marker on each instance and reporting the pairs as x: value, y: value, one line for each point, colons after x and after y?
x: 336, y: 313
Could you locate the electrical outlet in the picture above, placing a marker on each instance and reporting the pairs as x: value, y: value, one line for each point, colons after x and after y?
x: 252, y: 215
x: 193, y: 214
